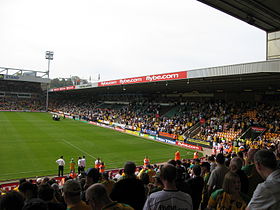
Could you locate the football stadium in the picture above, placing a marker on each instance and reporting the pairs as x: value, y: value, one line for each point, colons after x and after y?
x: 204, y: 138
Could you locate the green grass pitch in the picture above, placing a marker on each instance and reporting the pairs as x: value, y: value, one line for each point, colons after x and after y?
x: 31, y: 143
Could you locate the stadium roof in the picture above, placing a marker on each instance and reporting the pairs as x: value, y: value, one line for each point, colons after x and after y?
x: 259, y: 76
x: 263, y: 14
x: 24, y: 75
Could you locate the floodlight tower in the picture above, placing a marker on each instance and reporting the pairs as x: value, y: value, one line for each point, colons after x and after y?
x: 49, y: 57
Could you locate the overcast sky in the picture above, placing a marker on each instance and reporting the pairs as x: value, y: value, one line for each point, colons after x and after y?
x: 123, y: 38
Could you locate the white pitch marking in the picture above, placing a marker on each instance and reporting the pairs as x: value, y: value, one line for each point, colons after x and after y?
x: 25, y: 172
x: 67, y: 142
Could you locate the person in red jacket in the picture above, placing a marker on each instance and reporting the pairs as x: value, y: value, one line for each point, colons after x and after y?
x: 177, y: 155
x: 97, y: 163
x: 102, y: 167
x: 146, y: 161
x: 195, y: 155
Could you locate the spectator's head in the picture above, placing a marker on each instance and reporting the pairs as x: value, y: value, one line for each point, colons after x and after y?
x: 92, y: 176
x: 172, y: 162
x: 157, y: 180
x: 51, y: 181
x: 72, y: 191
x: 220, y: 158
x: 196, y: 161
x: 28, y: 190
x: 46, y: 179
x: 45, y: 192
x: 265, y: 162
x: 227, y: 162
x: 168, y: 174
x: 211, y: 158
x: 179, y: 173
x: 39, y: 181
x: 178, y: 162
x: 240, y: 154
x: 97, y: 196
x: 55, y: 186
x: 22, y: 181
x: 149, y: 166
x: 235, y: 164
x: 145, y: 178
x: 196, y: 170
x: 129, y: 168
x: 251, y: 154
x: 105, y: 175
x: 12, y: 200
x: 232, y: 183
x: 67, y: 178
x: 233, y: 155
x: 205, y: 167
x: 35, y: 204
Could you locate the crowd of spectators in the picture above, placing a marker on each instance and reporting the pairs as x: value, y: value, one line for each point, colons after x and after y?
x: 215, y: 121
x: 249, y: 179
x: 237, y: 118
x: 20, y: 86
x: 22, y: 104
x: 21, y: 96
x: 140, y: 115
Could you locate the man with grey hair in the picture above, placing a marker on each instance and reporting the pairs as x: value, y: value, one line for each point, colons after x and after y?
x: 170, y: 197
x: 97, y: 197
x: 72, y: 195
x: 267, y: 194
x: 235, y: 166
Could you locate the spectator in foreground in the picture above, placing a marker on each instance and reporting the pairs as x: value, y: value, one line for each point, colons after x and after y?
x: 205, y: 173
x: 235, y: 166
x: 196, y: 184
x: 169, y: 197
x: 129, y: 190
x: 57, y: 193
x: 28, y: 190
x: 98, y: 199
x: 35, y: 204
x: 107, y: 182
x: 92, y: 177
x: 250, y: 170
x: 217, y: 175
x: 213, y: 164
x: 229, y: 197
x: 156, y: 185
x: 46, y: 193
x: 71, y: 192
x: 11, y: 201
x: 267, y: 194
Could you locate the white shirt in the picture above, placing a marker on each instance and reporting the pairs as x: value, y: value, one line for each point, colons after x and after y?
x: 118, y: 176
x: 82, y: 162
x: 79, y: 162
x: 267, y: 194
x: 60, y: 162
x: 168, y: 200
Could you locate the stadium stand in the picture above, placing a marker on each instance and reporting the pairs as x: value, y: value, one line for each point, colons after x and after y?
x: 21, y: 96
x: 250, y: 129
